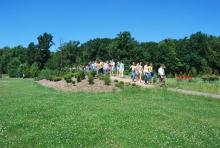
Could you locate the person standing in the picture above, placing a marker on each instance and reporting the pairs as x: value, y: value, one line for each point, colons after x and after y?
x: 140, y: 71
x: 121, y: 69
x: 150, y: 70
x: 113, y: 67
x: 105, y: 67
x: 146, y: 73
x: 133, y: 72
x: 161, y: 74
x: 118, y: 68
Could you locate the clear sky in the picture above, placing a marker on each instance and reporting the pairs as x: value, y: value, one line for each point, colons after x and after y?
x: 148, y: 20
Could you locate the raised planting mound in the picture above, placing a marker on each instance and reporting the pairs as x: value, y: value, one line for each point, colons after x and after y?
x: 82, y: 86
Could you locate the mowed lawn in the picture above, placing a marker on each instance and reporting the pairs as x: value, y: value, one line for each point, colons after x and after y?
x: 35, y: 116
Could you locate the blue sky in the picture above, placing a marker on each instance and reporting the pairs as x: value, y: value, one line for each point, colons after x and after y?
x: 148, y: 20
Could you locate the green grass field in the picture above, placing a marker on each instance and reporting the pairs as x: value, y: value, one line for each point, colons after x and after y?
x: 35, y: 116
x: 196, y: 85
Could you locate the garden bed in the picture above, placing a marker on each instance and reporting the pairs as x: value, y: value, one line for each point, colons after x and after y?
x: 82, y: 86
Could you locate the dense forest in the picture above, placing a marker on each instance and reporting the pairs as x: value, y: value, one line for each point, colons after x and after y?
x: 197, y: 54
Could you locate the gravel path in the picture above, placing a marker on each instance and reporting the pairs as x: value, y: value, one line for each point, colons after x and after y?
x: 189, y: 92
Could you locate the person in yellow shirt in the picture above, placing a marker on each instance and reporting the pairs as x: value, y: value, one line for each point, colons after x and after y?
x: 150, y: 70
x: 99, y: 65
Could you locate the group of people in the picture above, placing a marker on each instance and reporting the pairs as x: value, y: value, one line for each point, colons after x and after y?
x: 142, y: 73
x: 106, y: 67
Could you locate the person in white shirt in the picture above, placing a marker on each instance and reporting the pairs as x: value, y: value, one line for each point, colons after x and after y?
x: 161, y: 74
x: 121, y: 70
x: 118, y: 68
x: 113, y: 67
x: 105, y: 67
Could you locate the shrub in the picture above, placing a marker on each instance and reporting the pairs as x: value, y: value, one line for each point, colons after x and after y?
x: 23, y: 71
x: 73, y: 82
x: 45, y: 74
x: 13, y: 67
x: 82, y: 75
x: 34, y: 70
x: 78, y: 79
x: 120, y: 85
x: 90, y: 79
x: 121, y: 82
x: 79, y: 75
x: 116, y: 81
x: 107, y: 80
x: 56, y: 78
x: 133, y: 84
x: 100, y: 76
x: 93, y: 73
x: 68, y: 78
x: 193, y: 72
x: 210, y: 78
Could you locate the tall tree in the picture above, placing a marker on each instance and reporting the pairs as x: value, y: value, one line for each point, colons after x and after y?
x: 45, y: 41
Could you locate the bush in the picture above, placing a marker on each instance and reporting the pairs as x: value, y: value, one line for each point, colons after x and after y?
x: 90, y: 79
x: 120, y: 85
x: 107, y: 80
x: 78, y: 79
x: 133, y: 84
x: 68, y: 78
x: 116, y: 81
x: 56, y: 78
x: 73, y: 82
x: 13, y: 67
x: 193, y: 72
x: 121, y: 82
x: 46, y: 74
x: 93, y: 73
x: 23, y: 71
x: 34, y: 70
x: 210, y: 78
x: 79, y: 75
x: 100, y: 76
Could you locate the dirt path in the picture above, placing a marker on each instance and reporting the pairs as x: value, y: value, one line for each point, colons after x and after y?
x: 196, y: 93
x: 189, y: 92
x: 128, y: 80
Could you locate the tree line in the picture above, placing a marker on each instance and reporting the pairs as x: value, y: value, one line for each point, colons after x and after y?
x: 197, y: 54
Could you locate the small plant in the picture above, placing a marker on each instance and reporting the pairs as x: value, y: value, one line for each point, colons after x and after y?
x: 121, y: 82
x: 116, y: 81
x: 73, y: 82
x: 107, y: 80
x: 68, y: 78
x: 100, y: 76
x: 133, y: 84
x: 78, y: 79
x: 57, y: 79
x: 93, y: 73
x: 120, y: 85
x: 90, y: 79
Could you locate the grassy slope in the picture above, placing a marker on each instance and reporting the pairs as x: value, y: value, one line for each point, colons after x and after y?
x: 35, y: 116
x: 212, y: 87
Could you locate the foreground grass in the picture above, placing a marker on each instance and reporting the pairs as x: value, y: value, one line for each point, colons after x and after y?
x: 35, y: 116
x: 197, y: 85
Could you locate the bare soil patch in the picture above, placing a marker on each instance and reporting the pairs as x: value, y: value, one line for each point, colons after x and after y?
x: 82, y: 86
